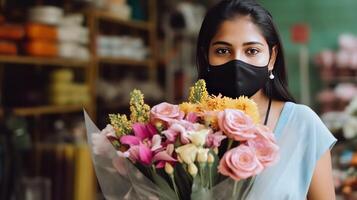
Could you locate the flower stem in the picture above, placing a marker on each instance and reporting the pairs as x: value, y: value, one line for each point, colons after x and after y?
x: 153, y: 169
x: 175, y: 186
x: 230, y: 142
x: 210, y: 176
x: 249, y: 187
x: 201, y: 173
x: 235, y: 189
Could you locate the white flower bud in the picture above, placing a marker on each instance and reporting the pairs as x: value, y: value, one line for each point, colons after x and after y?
x: 215, y: 150
x: 169, y: 169
x: 210, y: 158
x: 192, y: 169
x: 202, y: 155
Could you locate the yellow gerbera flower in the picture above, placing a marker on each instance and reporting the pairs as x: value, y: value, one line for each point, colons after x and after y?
x: 213, y: 103
x: 189, y: 107
x: 249, y: 107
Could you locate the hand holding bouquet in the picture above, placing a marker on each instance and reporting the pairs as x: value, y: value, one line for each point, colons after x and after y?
x: 210, y: 147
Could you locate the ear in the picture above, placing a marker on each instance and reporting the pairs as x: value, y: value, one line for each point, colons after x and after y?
x: 274, y: 53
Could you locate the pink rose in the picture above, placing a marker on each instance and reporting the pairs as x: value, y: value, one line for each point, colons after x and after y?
x: 240, y: 163
x: 264, y: 145
x: 236, y: 124
x: 165, y: 112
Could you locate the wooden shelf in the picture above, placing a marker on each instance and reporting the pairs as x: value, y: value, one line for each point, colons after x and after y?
x: 45, y: 110
x: 44, y: 61
x: 110, y: 17
x: 125, y: 61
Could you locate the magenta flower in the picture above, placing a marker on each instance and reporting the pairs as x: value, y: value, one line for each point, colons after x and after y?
x: 141, y: 132
x: 165, y: 156
x: 145, y: 145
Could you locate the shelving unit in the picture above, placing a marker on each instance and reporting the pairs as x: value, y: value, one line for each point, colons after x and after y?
x: 28, y: 60
x: 91, y: 69
x: 46, y: 110
x: 95, y: 18
x: 40, y: 112
x: 101, y: 15
x: 336, y: 82
x: 80, y: 158
x: 49, y: 62
x: 127, y: 62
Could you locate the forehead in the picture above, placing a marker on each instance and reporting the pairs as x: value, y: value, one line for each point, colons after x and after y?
x: 239, y: 30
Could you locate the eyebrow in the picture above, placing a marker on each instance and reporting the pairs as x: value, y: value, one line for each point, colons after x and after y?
x: 244, y: 44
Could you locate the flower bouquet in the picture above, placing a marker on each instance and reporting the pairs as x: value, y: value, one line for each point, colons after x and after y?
x: 211, y: 147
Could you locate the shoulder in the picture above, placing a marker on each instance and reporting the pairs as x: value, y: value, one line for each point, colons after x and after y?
x: 304, y: 113
x: 312, y: 129
x: 303, y: 118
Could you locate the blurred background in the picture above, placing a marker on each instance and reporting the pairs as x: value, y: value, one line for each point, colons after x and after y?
x: 58, y: 56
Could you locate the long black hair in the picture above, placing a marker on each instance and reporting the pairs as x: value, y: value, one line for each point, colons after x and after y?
x: 228, y: 9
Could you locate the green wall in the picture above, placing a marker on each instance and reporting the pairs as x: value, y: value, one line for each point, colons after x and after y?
x: 326, y: 18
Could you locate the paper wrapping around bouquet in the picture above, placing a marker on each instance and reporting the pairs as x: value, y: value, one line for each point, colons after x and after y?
x: 133, y: 184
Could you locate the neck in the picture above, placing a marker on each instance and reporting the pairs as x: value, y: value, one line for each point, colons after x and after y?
x: 262, y: 101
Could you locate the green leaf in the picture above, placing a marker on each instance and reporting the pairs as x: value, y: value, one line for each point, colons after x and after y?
x: 214, y: 168
x: 183, y: 181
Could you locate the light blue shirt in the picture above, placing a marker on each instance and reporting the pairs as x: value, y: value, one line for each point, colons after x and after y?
x: 303, y: 139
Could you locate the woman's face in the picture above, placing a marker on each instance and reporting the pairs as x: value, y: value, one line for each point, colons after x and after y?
x: 240, y: 39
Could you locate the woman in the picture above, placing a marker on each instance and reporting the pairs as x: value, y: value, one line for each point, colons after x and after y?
x: 239, y: 53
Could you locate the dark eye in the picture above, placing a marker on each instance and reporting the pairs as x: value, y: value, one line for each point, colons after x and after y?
x: 252, y: 51
x: 222, y: 51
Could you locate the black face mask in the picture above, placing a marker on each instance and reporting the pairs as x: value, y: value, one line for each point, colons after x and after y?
x: 236, y: 78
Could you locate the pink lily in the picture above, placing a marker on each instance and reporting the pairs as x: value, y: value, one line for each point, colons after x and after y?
x: 141, y: 132
x: 148, y: 154
x: 145, y: 146
x: 143, y: 143
x: 165, y: 156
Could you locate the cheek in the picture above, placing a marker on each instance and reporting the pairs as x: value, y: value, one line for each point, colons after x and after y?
x: 215, y: 59
x: 261, y: 59
x: 210, y: 56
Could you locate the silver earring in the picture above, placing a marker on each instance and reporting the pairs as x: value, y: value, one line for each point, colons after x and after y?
x: 271, y: 76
